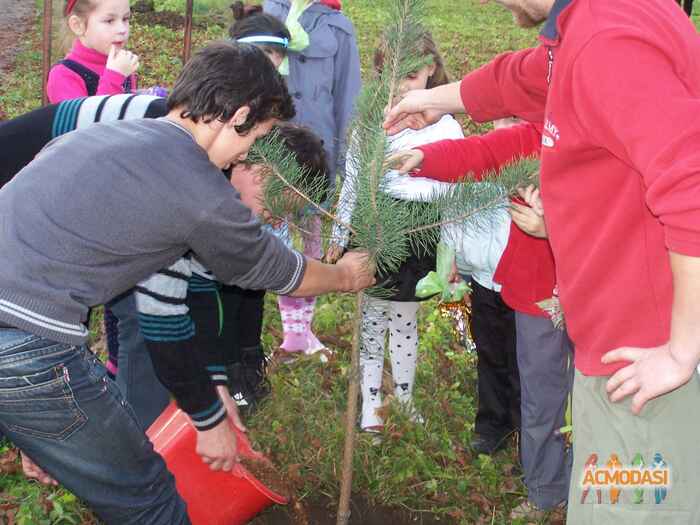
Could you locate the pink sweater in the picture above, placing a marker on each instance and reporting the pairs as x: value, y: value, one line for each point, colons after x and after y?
x: 64, y: 84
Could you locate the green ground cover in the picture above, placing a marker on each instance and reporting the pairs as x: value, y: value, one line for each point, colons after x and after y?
x: 424, y: 468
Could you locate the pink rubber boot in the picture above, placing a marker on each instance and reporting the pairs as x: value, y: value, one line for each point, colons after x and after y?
x: 294, y: 325
x: 312, y: 248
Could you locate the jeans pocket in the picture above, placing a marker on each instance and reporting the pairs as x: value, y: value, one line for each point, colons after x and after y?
x: 45, y: 408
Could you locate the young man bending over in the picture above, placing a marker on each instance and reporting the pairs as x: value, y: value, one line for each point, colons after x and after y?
x: 70, y: 242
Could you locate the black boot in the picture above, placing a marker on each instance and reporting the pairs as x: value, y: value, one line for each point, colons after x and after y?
x: 248, y: 382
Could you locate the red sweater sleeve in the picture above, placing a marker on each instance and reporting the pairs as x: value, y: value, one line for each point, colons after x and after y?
x: 512, y: 84
x: 452, y: 160
x: 65, y: 84
x: 645, y: 112
x: 111, y: 83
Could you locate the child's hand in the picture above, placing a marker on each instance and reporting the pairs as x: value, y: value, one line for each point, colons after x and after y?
x: 217, y: 446
x: 333, y: 253
x: 405, y: 161
x: 531, y: 196
x: 528, y: 220
x: 33, y: 471
x: 122, y: 61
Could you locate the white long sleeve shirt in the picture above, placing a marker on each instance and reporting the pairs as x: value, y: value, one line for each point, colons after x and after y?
x: 478, y: 251
x: 398, y: 186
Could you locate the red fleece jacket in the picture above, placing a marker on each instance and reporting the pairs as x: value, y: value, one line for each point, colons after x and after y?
x: 526, y: 268
x: 618, y: 87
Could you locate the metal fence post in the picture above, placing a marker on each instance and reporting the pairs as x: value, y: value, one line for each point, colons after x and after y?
x: 46, y: 49
x: 187, y: 46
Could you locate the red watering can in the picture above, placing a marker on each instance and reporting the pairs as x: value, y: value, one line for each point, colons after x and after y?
x: 212, y: 497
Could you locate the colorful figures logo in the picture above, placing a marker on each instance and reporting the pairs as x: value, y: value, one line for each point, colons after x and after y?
x: 615, y: 477
x: 614, y: 464
x: 590, y: 466
x: 659, y: 464
x: 638, y: 494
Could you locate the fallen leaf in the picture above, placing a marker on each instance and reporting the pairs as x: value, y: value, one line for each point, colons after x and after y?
x: 9, y: 462
x: 481, y: 501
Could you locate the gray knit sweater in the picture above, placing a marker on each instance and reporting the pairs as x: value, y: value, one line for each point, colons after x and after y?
x: 101, y: 209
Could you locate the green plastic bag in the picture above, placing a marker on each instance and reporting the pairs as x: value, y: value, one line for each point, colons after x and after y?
x: 437, y: 282
x: 300, y: 38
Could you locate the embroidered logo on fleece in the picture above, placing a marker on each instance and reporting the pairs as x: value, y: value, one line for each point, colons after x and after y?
x: 550, y: 134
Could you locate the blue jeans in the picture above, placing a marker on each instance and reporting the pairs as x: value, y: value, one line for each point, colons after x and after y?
x: 58, y: 407
x: 136, y: 376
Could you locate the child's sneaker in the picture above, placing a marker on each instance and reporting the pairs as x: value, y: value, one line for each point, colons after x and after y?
x: 248, y: 382
x: 294, y: 342
x: 244, y: 402
x: 528, y: 512
x: 239, y: 390
x: 370, y: 421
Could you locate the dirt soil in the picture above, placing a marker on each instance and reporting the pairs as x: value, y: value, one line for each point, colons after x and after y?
x: 172, y: 20
x: 16, y: 17
x: 323, y: 512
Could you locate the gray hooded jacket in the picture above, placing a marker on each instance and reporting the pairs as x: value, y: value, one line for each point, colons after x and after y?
x: 324, y: 78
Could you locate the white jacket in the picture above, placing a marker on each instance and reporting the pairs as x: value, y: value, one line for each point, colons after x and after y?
x: 479, y: 250
x: 398, y: 186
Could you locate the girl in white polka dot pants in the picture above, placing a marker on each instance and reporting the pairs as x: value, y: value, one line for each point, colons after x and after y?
x: 396, y: 309
x: 400, y: 319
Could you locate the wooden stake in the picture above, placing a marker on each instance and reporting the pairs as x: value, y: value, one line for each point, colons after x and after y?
x: 351, y: 417
x: 187, y: 46
x: 46, y: 49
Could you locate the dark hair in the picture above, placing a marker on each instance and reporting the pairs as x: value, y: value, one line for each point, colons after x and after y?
x: 223, y: 77
x: 425, y: 45
x: 241, y: 10
x: 249, y: 20
x: 308, y: 151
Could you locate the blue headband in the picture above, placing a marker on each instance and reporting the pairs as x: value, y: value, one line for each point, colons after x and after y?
x: 265, y: 39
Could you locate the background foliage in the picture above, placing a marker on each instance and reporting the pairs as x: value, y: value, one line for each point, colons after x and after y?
x: 426, y: 468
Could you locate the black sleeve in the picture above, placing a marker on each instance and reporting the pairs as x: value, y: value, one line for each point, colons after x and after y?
x: 22, y: 138
x: 178, y: 368
x: 208, y: 312
x: 156, y: 109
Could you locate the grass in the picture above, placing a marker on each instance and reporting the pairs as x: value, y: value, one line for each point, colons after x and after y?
x: 420, y: 467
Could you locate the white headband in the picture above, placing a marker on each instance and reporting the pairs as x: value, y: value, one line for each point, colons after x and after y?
x: 264, y: 39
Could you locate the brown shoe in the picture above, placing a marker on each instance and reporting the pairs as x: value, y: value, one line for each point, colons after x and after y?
x: 529, y: 512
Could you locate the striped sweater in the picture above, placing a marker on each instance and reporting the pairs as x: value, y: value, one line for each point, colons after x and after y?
x: 23, y: 137
x: 172, y: 337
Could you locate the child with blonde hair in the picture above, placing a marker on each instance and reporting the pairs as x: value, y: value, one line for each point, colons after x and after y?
x: 98, y: 62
